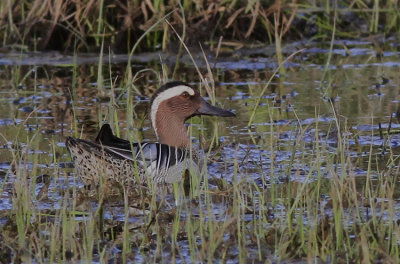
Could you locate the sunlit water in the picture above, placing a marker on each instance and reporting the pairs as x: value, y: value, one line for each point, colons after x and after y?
x: 41, y: 93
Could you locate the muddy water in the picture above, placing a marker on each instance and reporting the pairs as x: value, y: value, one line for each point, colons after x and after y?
x: 46, y: 97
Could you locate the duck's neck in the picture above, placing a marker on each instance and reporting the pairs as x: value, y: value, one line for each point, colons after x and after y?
x: 171, y: 131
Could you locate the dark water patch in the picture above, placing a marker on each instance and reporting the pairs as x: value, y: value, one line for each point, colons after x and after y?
x: 5, y: 122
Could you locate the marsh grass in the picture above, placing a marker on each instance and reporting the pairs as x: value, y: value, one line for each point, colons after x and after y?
x: 85, y: 25
x: 319, y: 212
x: 310, y: 206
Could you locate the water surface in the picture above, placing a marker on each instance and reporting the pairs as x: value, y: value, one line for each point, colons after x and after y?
x: 45, y: 97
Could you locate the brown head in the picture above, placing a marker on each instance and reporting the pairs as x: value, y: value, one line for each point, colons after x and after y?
x: 172, y: 105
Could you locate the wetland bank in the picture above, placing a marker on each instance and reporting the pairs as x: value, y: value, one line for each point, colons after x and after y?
x: 306, y: 172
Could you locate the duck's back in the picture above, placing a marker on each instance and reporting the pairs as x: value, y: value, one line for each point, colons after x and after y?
x: 116, y: 159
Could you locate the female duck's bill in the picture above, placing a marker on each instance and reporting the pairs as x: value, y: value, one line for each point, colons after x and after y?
x: 119, y: 160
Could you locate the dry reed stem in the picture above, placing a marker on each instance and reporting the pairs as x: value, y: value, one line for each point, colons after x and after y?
x: 34, y: 21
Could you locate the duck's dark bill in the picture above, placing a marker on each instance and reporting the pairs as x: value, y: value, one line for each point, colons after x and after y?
x: 207, y: 109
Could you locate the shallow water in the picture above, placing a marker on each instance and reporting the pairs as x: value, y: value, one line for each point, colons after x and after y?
x: 42, y: 94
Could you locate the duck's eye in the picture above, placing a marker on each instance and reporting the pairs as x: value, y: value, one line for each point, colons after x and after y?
x: 185, y: 95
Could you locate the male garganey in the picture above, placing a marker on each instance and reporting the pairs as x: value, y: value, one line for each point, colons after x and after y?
x: 119, y: 160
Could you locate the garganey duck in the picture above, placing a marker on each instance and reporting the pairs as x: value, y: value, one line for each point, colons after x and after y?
x: 113, y: 159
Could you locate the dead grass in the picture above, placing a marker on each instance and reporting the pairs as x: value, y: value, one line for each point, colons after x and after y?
x: 77, y: 25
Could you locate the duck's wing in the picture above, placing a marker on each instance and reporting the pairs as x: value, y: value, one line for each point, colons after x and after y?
x: 78, y: 146
x: 155, y: 154
x: 107, y: 138
x: 163, y: 155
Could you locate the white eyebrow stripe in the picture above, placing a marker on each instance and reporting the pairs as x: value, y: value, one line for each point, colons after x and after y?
x: 165, y: 95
